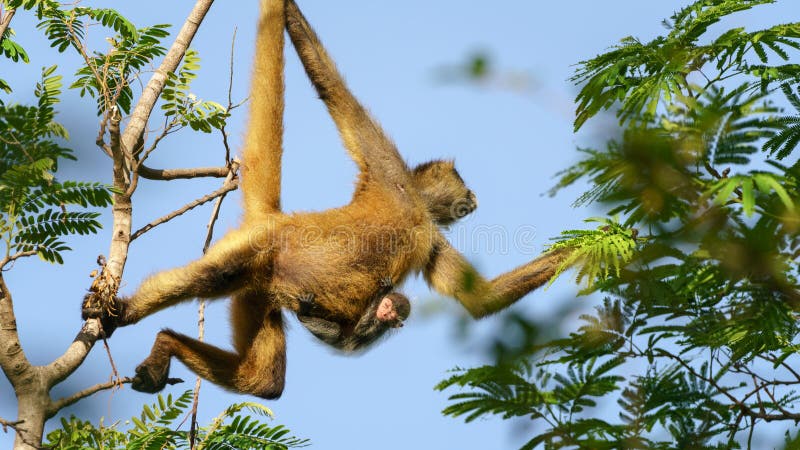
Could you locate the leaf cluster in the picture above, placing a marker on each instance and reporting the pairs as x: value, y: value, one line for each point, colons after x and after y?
x: 105, y: 76
x: 695, y: 343
x: 156, y: 428
x: 186, y: 108
x: 638, y: 77
x: 34, y: 204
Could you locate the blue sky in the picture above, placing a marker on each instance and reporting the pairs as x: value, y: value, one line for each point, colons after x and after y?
x: 507, y: 144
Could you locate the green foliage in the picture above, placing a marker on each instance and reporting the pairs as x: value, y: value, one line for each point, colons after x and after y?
x: 105, y: 76
x: 157, y: 427
x: 187, y: 110
x: 33, y: 203
x: 782, y: 143
x: 601, y: 252
x: 108, y: 76
x: 10, y: 48
x: 696, y: 340
x: 638, y: 77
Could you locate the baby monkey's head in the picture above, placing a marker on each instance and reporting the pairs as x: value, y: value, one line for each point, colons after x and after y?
x: 393, y: 309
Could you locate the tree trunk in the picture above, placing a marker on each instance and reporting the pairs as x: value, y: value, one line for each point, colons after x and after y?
x: 33, y: 401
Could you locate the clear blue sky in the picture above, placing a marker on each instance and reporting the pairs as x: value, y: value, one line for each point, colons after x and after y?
x: 508, y: 145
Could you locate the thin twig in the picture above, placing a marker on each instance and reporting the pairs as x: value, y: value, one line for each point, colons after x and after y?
x: 80, y: 395
x: 753, y: 414
x: 169, y: 128
x: 227, y: 187
x: 201, y: 316
x: 8, y: 424
x: 15, y: 256
x: 21, y: 432
x: 114, y: 372
x: 230, y: 102
x: 201, y: 320
x: 152, y: 91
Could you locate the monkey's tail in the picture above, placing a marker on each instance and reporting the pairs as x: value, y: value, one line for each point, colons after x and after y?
x: 263, y: 145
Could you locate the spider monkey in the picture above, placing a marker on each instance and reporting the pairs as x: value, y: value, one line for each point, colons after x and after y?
x: 390, y: 227
x: 387, y: 310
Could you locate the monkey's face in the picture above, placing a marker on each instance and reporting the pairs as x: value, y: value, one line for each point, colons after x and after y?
x: 393, y: 309
x: 443, y: 190
x: 386, y: 311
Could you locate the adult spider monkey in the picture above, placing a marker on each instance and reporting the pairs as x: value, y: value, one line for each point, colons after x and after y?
x: 390, y: 228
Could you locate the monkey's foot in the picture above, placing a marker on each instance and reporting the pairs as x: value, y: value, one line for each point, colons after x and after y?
x: 151, y: 377
x: 109, y: 312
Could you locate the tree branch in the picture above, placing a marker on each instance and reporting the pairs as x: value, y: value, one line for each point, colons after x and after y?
x: 7, y: 424
x: 5, y: 21
x: 61, y: 403
x: 64, y: 365
x: 80, y: 395
x: 9, y: 259
x: 744, y: 408
x: 13, y: 362
x: 154, y: 87
x: 227, y: 187
x: 174, y: 174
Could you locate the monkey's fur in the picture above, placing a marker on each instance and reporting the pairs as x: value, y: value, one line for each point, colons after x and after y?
x: 391, y: 226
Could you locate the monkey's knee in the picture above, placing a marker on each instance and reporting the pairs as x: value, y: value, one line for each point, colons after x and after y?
x: 265, y: 382
x: 272, y: 393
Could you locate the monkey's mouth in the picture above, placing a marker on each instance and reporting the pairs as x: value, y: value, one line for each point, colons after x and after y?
x: 464, y: 206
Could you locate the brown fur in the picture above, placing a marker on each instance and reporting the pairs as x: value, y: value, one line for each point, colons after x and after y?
x: 391, y: 227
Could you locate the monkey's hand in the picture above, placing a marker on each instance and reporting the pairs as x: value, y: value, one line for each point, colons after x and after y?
x: 108, y: 311
x: 386, y: 282
x: 305, y: 305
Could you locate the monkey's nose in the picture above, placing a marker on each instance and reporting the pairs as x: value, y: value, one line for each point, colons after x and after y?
x: 471, y: 196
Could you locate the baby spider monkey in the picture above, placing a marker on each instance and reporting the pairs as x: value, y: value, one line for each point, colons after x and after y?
x: 386, y: 310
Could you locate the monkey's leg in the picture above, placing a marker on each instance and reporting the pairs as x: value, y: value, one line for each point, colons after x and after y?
x: 263, y: 144
x: 205, y: 360
x: 259, y: 369
x: 260, y: 341
x: 223, y: 270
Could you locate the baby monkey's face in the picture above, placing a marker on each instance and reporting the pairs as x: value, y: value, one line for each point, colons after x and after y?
x: 386, y: 311
x: 393, y: 310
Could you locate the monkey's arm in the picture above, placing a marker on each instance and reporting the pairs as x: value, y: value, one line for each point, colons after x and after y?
x: 367, y: 144
x: 327, y: 331
x: 450, y: 274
